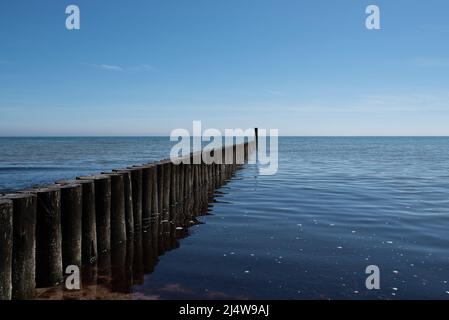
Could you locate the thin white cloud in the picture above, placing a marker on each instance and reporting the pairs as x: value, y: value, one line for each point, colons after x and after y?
x: 108, y: 67
x: 117, y: 68
x: 4, y: 62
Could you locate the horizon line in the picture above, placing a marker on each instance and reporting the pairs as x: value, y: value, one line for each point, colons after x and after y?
x: 167, y: 136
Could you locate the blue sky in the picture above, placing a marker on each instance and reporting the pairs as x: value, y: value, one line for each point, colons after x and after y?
x: 146, y: 67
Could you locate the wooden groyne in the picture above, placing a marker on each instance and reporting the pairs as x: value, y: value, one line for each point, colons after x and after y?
x: 112, y: 225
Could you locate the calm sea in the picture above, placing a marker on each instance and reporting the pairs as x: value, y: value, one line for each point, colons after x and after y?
x: 336, y: 206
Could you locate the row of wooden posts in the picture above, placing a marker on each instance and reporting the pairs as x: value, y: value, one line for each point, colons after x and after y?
x: 74, y: 222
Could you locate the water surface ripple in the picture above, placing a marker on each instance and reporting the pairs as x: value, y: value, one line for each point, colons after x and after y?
x: 336, y: 206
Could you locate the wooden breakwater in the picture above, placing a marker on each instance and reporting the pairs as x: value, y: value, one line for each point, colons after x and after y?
x: 119, y: 218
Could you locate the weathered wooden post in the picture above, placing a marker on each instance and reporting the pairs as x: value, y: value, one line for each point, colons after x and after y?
x: 204, y: 188
x: 71, y: 221
x: 155, y: 213
x: 193, y: 193
x: 218, y: 170
x: 180, y: 196
x: 194, y: 190
x: 129, y: 212
x: 160, y: 190
x: 209, y: 177
x: 103, y: 210
x: 224, y: 165
x: 186, y: 194
x: 173, y: 197
x: 6, y: 212
x: 234, y: 160
x: 136, y: 177
x: 231, y: 163
x: 166, y: 206
x: 49, y: 270
x: 217, y: 167
x: 174, y: 186
x: 89, y: 225
x: 178, y: 223
x: 256, y: 135
x: 118, y: 216
x: 89, y: 251
x: 203, y: 177
x: 197, y: 190
x: 24, y: 245
x: 181, y: 184
x: 159, y: 176
x: 147, y: 191
x: 216, y: 175
x: 210, y: 173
